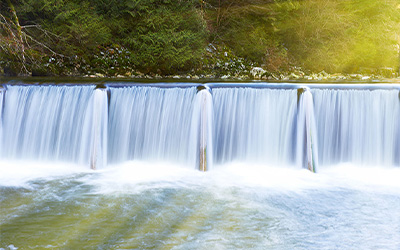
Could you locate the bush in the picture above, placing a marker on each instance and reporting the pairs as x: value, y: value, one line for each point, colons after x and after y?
x: 249, y: 29
x: 163, y: 35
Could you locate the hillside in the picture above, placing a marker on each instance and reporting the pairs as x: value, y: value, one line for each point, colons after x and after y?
x: 199, y: 38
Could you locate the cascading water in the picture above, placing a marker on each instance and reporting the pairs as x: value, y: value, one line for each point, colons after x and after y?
x: 1, y: 116
x: 357, y: 126
x: 267, y: 126
x: 98, y: 155
x: 255, y: 125
x: 48, y: 123
x: 147, y: 205
x: 307, y: 147
x: 201, y: 133
x: 151, y: 123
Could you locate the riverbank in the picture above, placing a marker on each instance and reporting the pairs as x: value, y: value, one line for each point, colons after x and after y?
x: 317, y: 79
x: 247, y: 39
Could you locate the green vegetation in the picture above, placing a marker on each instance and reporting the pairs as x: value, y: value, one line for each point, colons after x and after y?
x: 211, y: 37
x: 343, y: 36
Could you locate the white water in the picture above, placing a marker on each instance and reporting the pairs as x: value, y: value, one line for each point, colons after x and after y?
x: 154, y: 124
x: 268, y: 127
x: 1, y: 117
x: 48, y: 123
x: 255, y: 125
x: 98, y: 157
x: 358, y: 126
x: 202, y: 134
x: 144, y: 199
x: 307, y: 147
x: 139, y: 205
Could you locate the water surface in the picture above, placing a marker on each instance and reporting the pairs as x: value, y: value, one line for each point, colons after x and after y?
x: 140, y: 205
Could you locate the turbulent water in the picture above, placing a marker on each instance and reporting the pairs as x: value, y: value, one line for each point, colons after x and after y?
x: 145, y: 206
x: 146, y: 143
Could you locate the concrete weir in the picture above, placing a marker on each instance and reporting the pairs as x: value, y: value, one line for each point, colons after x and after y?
x: 98, y: 155
x: 306, y: 130
x: 2, y: 90
x: 204, y: 101
x: 201, y: 126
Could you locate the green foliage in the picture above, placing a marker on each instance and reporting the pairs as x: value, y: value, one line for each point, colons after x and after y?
x: 75, y: 25
x: 342, y: 36
x: 163, y: 35
x: 249, y: 29
x: 123, y: 37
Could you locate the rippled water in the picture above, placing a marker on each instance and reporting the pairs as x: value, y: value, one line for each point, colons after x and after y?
x: 238, y: 206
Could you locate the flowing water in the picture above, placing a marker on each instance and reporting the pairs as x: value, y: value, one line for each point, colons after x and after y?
x: 147, y: 142
x: 255, y: 125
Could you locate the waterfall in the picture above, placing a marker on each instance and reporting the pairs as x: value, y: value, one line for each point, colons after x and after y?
x: 98, y: 157
x: 151, y: 123
x: 255, y: 125
x: 202, y: 122
x: 1, y: 116
x: 198, y: 127
x: 48, y: 123
x: 307, y: 154
x: 357, y: 126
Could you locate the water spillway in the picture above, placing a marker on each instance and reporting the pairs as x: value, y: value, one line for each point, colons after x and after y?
x: 48, y: 123
x: 146, y: 140
x: 358, y: 126
x: 255, y: 125
x: 272, y: 125
x: 1, y: 115
x: 151, y: 123
x: 202, y: 132
x: 307, y: 146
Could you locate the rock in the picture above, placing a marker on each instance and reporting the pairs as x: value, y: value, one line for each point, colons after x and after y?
x: 257, y: 72
x: 99, y: 75
x: 294, y: 76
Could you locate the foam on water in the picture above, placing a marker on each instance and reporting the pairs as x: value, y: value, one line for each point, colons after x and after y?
x: 136, y: 176
x: 20, y: 173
